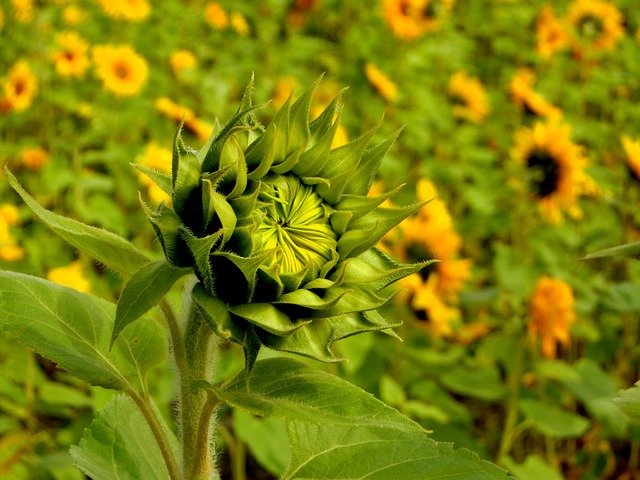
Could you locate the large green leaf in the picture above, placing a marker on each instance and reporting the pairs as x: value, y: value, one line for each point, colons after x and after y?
x: 144, y: 290
x: 337, y: 430
x: 629, y: 402
x: 73, y: 329
x: 108, y: 248
x: 376, y: 453
x: 552, y: 421
x: 119, y: 445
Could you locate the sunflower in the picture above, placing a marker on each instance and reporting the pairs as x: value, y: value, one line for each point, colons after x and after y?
x: 73, y: 15
x: 34, y: 158
x: 216, y: 16
x: 469, y: 97
x: 556, y: 168
x: 179, y: 113
x: 438, y: 317
x: 10, y: 251
x: 130, y: 10
x: 1, y: 18
x: 597, y: 23
x: 23, y: 10
x: 239, y: 24
x: 121, y: 69
x: 72, y: 276
x: 410, y: 19
x: 551, y: 34
x: 551, y: 314
x: 523, y: 95
x: 632, y: 149
x: 381, y: 83
x: 20, y: 87
x: 182, y: 60
x: 71, y: 60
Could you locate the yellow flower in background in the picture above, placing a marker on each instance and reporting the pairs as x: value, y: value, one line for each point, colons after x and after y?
x: 523, y: 95
x: 239, y: 24
x: 556, y: 168
x: 551, y: 33
x: 1, y: 18
x: 410, y: 19
x: 9, y: 214
x: 71, y: 59
x: 130, y: 10
x: 34, y: 158
x: 381, y: 83
x: 177, y: 112
x: 121, y: 69
x: 20, y: 87
x: 551, y: 314
x: 632, y: 150
x: 23, y: 10
x: 155, y: 158
x: 215, y: 15
x: 597, y: 23
x: 10, y: 251
x: 470, y: 97
x: 439, y: 318
x: 73, y: 15
x: 72, y: 276
x: 182, y: 60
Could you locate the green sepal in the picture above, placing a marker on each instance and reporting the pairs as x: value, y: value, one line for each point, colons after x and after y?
x: 161, y: 179
x: 269, y: 286
x: 312, y: 161
x: 359, y: 322
x: 247, y: 266
x: 308, y: 299
x: 165, y: 222
x: 244, y: 207
x: 186, y: 178
x: 262, y: 153
x: 288, y: 163
x: 357, y: 299
x: 251, y: 346
x: 313, y: 340
x: 325, y: 120
x: 340, y: 220
x: 281, y: 123
x: 217, y: 315
x: 361, y: 205
x: 200, y: 248
x: 216, y: 205
x: 368, y: 166
x: 298, y: 134
x: 267, y: 317
x: 144, y: 290
x: 369, y: 229
x: 238, y: 170
x: 292, y: 281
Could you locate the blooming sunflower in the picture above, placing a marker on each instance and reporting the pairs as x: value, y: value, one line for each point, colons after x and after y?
x: 556, y: 168
x: 20, y: 87
x: 216, y: 16
x: 381, y: 83
x: 439, y: 317
x: 551, y: 33
x: 72, y: 276
x: 632, y: 150
x: 597, y: 23
x: 73, y: 15
x: 10, y: 251
x: 410, y: 19
x: 523, y: 95
x: 178, y: 112
x: 23, y: 10
x: 279, y: 230
x: 551, y: 314
x: 130, y: 10
x: 239, y: 24
x: 34, y: 158
x: 121, y: 69
x: 71, y: 59
x: 469, y: 97
x: 182, y: 60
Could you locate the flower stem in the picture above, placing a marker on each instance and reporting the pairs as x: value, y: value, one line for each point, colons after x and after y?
x: 508, y: 436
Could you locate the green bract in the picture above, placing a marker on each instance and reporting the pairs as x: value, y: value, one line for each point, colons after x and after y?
x: 280, y: 231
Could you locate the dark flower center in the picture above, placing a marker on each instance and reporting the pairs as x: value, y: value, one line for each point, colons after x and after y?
x: 590, y: 27
x: 544, y: 172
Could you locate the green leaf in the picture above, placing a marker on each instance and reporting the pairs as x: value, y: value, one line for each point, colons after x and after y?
x: 552, y: 421
x: 73, y: 329
x: 119, y: 445
x: 629, y: 402
x: 533, y: 468
x: 476, y: 381
x: 376, y: 453
x: 630, y: 250
x: 144, y: 290
x: 266, y: 439
x: 108, y: 248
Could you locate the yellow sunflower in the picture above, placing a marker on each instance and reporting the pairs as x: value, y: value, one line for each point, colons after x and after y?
x: 239, y: 24
x: 20, y: 87
x: 178, y: 112
x: 551, y: 33
x: 121, y: 69
x: 23, y: 10
x: 71, y: 59
x: 158, y: 159
x: 632, y: 149
x: 34, y: 158
x: 596, y: 23
x: 181, y: 60
x: 130, y: 10
x: 1, y: 18
x: 410, y: 19
x: 556, y: 168
x: 72, y: 276
x: 73, y: 15
x: 381, y: 83
x: 10, y: 251
x: 216, y: 16
x: 551, y: 314
x: 523, y: 95
x: 438, y: 317
x: 469, y: 96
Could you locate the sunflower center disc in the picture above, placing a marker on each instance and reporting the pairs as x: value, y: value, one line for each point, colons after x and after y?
x: 544, y: 171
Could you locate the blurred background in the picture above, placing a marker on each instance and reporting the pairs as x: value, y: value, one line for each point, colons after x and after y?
x: 520, y: 121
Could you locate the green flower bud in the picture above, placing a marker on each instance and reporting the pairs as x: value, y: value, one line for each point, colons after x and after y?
x: 279, y: 230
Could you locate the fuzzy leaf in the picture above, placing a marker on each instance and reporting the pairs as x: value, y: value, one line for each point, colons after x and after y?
x: 73, y: 329
x: 629, y: 250
x: 107, y: 248
x: 143, y: 291
x: 267, y: 317
x: 160, y: 178
x: 200, y: 248
x: 217, y: 315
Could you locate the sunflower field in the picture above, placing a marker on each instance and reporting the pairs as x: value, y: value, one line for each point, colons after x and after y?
x: 513, y: 132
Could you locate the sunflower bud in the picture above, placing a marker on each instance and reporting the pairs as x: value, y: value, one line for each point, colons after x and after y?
x: 279, y: 229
